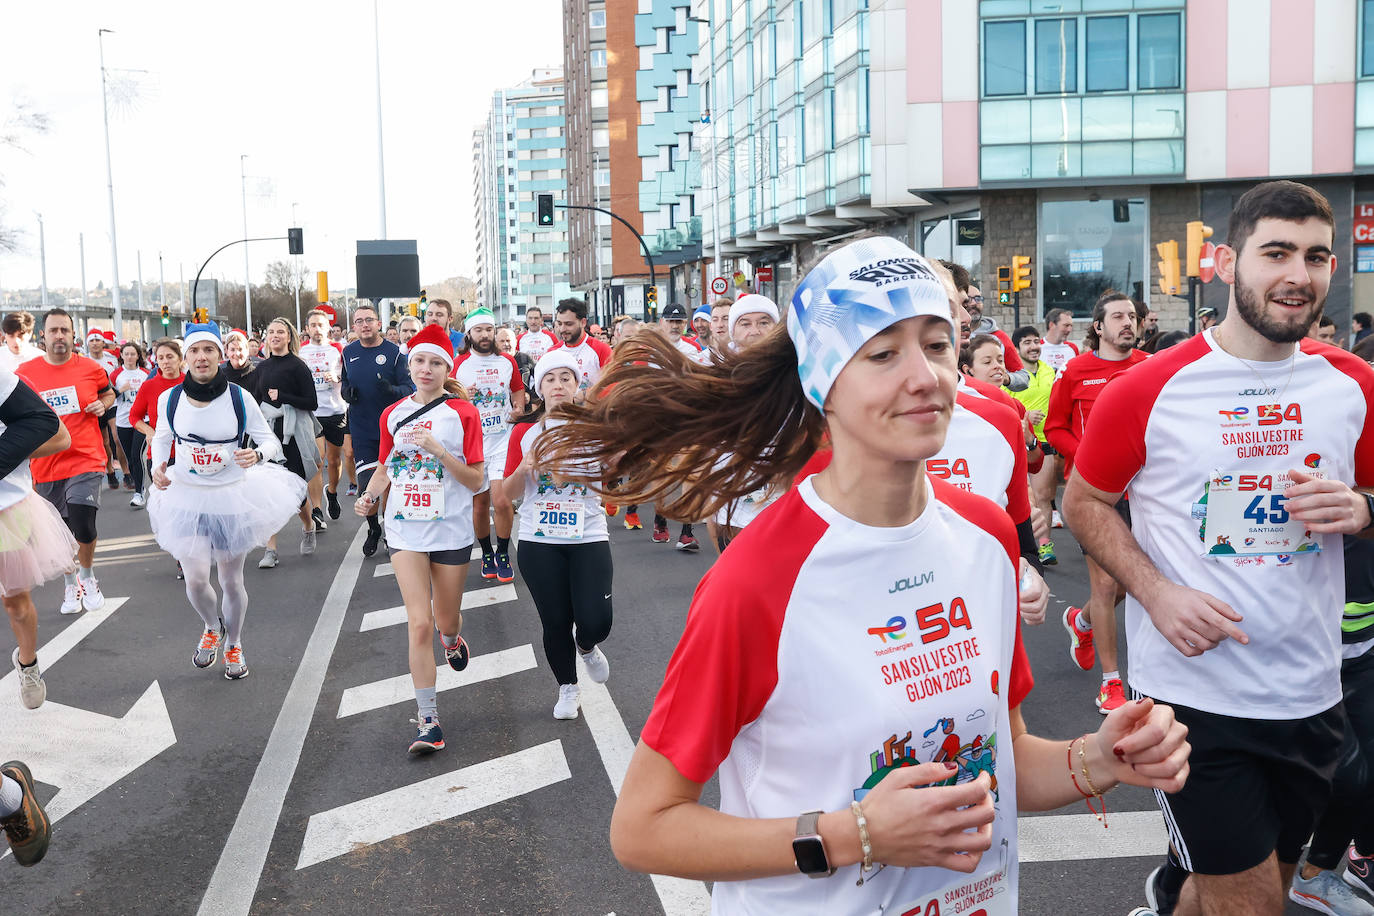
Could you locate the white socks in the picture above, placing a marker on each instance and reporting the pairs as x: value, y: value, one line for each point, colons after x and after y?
x: 11, y: 796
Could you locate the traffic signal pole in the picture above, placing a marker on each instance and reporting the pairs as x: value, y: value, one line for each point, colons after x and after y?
x: 1193, y: 284
x: 196, y: 282
x: 649, y: 259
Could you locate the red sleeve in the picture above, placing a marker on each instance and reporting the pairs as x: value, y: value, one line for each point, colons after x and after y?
x: 516, y: 382
x: 1361, y: 372
x: 817, y: 463
x: 385, y: 442
x: 1058, y: 419
x: 1011, y: 357
x: 1074, y: 347
x: 993, y: 393
x: 472, y: 430
x: 515, y: 451
x: 1009, y: 426
x: 602, y: 351
x: 337, y: 346
x: 725, y: 666
x: 461, y: 358
x: 114, y: 376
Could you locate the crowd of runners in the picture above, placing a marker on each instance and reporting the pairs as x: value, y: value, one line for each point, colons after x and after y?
x: 896, y: 462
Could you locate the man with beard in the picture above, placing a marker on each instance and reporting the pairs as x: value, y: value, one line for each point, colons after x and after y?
x: 1240, y: 449
x: 570, y: 323
x: 78, y: 390
x: 1111, y: 342
x: 494, y: 386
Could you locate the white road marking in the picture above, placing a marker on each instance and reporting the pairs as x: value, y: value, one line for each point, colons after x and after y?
x: 64, y: 642
x: 236, y: 876
x: 391, y: 814
x: 482, y: 597
x: 679, y: 896
x: 1062, y: 837
x: 392, y: 690
x: 384, y: 569
x: 106, y: 545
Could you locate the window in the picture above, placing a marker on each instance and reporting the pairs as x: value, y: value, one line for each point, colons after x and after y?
x: 1056, y: 55
x: 1158, y: 52
x: 598, y: 58
x: 1004, y: 58
x: 600, y: 98
x: 1106, y: 67
x: 597, y: 19
x: 1367, y: 40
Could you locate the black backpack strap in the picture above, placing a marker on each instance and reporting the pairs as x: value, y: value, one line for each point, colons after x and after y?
x: 426, y: 409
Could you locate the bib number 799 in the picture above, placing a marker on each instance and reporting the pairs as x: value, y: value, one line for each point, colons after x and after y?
x: 418, y: 499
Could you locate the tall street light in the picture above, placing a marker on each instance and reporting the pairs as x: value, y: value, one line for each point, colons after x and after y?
x: 247, y: 270
x: 109, y: 183
x: 42, y: 260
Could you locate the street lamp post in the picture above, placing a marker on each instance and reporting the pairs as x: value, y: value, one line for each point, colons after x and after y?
x: 109, y: 183
x: 247, y: 270
x: 42, y: 261
x: 295, y: 274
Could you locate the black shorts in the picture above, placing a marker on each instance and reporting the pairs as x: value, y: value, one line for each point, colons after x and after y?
x: 1047, y: 450
x: 1255, y: 786
x: 461, y: 557
x: 109, y: 415
x: 334, y: 428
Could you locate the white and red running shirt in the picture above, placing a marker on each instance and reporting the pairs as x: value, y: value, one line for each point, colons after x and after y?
x: 126, y: 383
x: 426, y: 508
x: 862, y: 650
x: 985, y: 453
x: 535, y: 344
x: 1057, y: 355
x: 591, y: 354
x: 1072, y: 398
x: 552, y: 512
x: 326, y: 369
x: 496, y: 378
x: 1195, y: 431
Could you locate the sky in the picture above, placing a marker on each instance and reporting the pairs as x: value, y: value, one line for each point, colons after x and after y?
x: 291, y: 84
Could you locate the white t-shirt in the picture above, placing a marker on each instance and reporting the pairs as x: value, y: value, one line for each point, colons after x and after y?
x: 209, y: 465
x: 1191, y: 423
x: 426, y: 508
x: 496, y: 378
x: 553, y: 513
x: 126, y: 383
x: 862, y: 650
x: 1057, y: 355
x: 10, y: 361
x: 326, y: 368
x: 19, y: 482
x: 591, y: 354
x: 535, y: 344
x: 984, y: 453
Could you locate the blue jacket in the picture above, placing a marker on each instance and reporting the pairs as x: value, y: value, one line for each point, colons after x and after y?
x: 374, y: 378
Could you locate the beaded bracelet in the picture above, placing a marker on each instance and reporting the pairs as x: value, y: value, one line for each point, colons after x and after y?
x: 864, y: 840
x: 1101, y: 815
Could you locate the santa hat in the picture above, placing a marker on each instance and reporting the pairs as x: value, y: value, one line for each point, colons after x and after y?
x: 195, y: 333
x: 432, y: 339
x: 108, y: 335
x: 94, y: 334
x: 479, y: 317
x: 558, y: 358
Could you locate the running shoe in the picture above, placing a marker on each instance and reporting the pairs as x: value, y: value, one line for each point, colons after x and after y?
x: 1327, y: 893
x: 137, y: 501
x: 317, y: 516
x: 1057, y: 521
x: 208, y: 648
x: 1111, y: 695
x: 1047, y: 557
x: 661, y: 535
x: 488, y: 566
x: 113, y: 479
x: 1144, y: 911
x: 128, y: 482
x: 370, y: 543
x: 32, y: 690
x: 1080, y: 643
x: 27, y: 829
x: 307, y: 542
x: 598, y: 668
x: 457, y: 657
x: 269, y: 559
x: 352, y: 490
x: 1359, y: 871
x: 181, y: 573
x: 331, y: 499
x: 612, y: 510
x: 91, y: 597
x: 429, y: 738
x: 688, y: 542
x: 235, y: 667
x: 71, y: 600
x: 1157, y: 895
x: 632, y: 522
x: 569, y: 698
x: 504, y: 571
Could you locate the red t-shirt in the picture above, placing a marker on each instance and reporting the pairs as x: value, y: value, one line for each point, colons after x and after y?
x: 69, y: 388
x: 1073, y: 396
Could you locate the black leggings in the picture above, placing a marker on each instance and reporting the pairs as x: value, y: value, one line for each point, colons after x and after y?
x: 570, y: 584
x: 132, y: 441
x: 1350, y: 814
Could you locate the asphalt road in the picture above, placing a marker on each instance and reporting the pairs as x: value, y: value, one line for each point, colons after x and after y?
x: 291, y: 791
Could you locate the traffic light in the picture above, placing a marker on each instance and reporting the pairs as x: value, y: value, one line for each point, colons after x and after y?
x: 1197, y: 234
x: 1003, y: 278
x: 1020, y: 272
x: 166, y: 315
x: 413, y: 309
x: 1168, y: 267
x: 322, y: 285
x: 652, y: 295
x: 545, y: 213
x: 295, y: 241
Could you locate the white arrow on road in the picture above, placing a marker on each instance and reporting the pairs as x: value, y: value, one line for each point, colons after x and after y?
x: 391, y: 814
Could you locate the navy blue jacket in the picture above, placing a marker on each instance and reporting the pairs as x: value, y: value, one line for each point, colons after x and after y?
x: 374, y: 378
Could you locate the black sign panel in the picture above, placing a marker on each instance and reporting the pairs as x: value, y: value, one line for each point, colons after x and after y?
x: 968, y: 232
x: 388, y: 276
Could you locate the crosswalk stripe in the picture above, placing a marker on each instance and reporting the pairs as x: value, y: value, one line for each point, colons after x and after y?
x: 482, y: 597
x: 1062, y: 837
x: 391, y: 814
x: 392, y: 690
x: 384, y: 569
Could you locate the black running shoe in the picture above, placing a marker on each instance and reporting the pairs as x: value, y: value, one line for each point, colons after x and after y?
x: 113, y: 479
x: 1157, y: 895
x: 318, y: 516
x: 458, y: 656
x: 370, y: 545
x: 331, y: 499
x: 429, y: 738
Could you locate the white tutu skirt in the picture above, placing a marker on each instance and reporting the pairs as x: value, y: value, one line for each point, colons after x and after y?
x: 35, y: 545
x: 228, y: 520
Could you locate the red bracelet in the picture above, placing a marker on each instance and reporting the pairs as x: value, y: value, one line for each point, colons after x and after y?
x: 1101, y: 815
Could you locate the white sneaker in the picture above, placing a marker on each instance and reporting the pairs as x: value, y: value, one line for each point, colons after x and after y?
x: 91, y: 597
x: 598, y: 669
x: 1056, y: 520
x: 568, y: 701
x: 71, y: 600
x: 308, y: 543
x: 137, y: 501
x: 269, y: 559
x: 32, y: 690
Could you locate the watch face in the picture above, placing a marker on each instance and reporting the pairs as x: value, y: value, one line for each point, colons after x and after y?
x: 810, y: 855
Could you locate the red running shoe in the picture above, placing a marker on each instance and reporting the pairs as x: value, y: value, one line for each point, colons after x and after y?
x: 1080, y: 641
x: 632, y: 522
x: 661, y: 535
x: 1110, y: 696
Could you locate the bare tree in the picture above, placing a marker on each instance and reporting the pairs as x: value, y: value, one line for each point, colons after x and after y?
x: 22, y: 121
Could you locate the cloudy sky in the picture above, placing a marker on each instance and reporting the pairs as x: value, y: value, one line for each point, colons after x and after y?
x: 290, y: 84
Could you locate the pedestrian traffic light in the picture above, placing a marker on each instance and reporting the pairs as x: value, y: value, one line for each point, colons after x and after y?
x: 295, y: 241
x: 1020, y: 272
x: 545, y: 210
x: 1168, y: 267
x: 1197, y: 234
x: 166, y: 315
x: 1004, y: 278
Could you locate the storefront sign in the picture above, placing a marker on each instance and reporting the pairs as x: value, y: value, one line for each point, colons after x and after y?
x: 1364, y: 259
x: 968, y: 232
x: 1085, y: 260
x: 1364, y: 222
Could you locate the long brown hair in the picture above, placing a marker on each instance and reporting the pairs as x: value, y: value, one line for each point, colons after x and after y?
x: 662, y: 424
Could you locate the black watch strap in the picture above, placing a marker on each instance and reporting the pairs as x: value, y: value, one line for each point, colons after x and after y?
x: 1369, y: 502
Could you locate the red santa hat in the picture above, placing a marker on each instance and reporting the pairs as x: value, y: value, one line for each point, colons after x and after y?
x: 108, y: 335
x: 432, y: 339
x: 95, y: 334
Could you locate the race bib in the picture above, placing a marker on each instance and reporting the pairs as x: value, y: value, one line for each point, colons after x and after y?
x: 986, y: 894
x: 63, y: 401
x: 1245, y: 515
x: 418, y: 500
x: 205, y: 460
x: 558, y: 517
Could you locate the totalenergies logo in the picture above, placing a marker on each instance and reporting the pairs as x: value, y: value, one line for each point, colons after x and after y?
x: 894, y: 631
x: 1235, y: 414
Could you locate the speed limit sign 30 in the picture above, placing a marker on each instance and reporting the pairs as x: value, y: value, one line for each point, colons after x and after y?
x: 719, y: 286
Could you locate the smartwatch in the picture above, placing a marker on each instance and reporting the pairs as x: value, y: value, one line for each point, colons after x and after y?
x: 258, y: 452
x: 808, y: 849
x: 1369, y: 502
